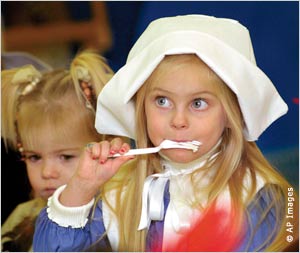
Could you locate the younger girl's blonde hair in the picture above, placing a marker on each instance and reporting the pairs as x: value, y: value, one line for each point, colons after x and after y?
x: 237, y: 160
x: 52, y: 104
x: 55, y: 101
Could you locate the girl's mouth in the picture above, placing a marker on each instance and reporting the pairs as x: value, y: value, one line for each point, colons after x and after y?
x: 49, y: 191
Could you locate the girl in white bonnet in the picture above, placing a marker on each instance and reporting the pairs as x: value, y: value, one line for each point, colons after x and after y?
x: 192, y: 80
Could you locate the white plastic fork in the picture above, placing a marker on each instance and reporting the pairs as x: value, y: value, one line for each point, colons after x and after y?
x: 166, y: 144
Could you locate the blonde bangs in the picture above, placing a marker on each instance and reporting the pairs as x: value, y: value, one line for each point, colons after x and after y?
x: 61, y: 121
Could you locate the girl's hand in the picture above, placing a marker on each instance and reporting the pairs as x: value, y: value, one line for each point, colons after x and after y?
x: 94, y: 169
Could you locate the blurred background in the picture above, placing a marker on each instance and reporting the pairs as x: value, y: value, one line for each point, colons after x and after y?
x: 54, y: 31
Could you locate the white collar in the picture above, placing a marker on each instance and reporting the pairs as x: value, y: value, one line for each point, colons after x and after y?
x: 154, y: 185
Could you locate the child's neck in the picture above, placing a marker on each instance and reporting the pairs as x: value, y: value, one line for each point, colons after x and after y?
x: 185, y: 168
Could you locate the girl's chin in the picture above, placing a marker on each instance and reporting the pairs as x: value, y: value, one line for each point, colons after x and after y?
x: 47, y: 193
x: 180, y: 155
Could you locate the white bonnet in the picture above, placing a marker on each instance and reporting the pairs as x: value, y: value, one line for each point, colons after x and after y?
x: 223, y: 44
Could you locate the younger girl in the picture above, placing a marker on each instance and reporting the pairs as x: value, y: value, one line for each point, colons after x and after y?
x: 48, y: 118
x: 187, y: 78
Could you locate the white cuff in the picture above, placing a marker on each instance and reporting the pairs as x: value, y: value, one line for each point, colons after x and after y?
x: 75, y: 217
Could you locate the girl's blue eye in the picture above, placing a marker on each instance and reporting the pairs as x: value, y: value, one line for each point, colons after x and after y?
x: 199, y: 104
x: 33, y: 158
x: 66, y: 157
x: 162, y: 102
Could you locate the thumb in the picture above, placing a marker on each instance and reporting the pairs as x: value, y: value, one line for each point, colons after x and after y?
x: 119, y: 161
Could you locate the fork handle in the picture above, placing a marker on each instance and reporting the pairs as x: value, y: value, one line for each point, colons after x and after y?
x: 139, y: 151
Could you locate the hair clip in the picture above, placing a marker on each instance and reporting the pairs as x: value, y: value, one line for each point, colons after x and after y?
x: 83, y: 74
x: 86, y: 87
x: 27, y: 74
x: 89, y: 94
x: 30, y: 86
x: 21, y: 150
x: 19, y: 143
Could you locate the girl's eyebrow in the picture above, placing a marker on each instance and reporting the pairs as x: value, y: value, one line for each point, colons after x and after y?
x: 197, y: 93
x: 30, y: 151
x: 67, y: 150
x: 158, y: 89
x: 56, y: 151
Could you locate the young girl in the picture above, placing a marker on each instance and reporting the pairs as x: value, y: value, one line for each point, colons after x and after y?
x: 187, y: 78
x: 48, y: 118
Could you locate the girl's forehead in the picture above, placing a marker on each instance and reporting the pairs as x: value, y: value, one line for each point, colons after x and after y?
x: 173, y: 64
x: 44, y: 137
x: 181, y: 72
x: 55, y: 137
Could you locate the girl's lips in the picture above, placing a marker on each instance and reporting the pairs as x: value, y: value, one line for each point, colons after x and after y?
x: 183, y: 140
x: 49, y: 191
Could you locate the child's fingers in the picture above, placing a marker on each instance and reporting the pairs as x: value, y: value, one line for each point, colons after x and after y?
x: 94, y: 149
x: 119, y: 161
x: 88, y: 147
x: 124, y: 148
x: 116, y: 145
x: 95, y: 165
x: 105, y: 147
x: 101, y: 151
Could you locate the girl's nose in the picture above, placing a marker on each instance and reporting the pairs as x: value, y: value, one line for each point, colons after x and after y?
x: 50, y: 170
x: 179, y: 119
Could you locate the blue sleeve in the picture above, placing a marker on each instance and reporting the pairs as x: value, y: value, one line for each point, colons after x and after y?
x: 49, y: 236
x: 263, y: 220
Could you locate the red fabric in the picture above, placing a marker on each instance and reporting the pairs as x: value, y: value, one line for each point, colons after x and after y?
x: 216, y: 231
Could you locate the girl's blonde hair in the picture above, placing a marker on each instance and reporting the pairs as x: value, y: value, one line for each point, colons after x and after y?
x: 55, y: 104
x: 238, y: 159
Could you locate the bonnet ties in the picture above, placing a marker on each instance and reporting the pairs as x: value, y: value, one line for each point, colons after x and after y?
x: 153, y: 194
x: 154, y: 185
